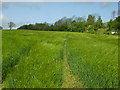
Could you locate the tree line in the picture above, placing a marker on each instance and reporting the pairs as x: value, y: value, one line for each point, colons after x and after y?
x: 77, y: 24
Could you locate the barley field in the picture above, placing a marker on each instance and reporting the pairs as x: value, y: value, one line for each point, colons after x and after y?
x: 49, y: 59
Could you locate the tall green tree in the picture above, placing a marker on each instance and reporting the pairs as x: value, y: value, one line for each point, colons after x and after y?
x: 110, y: 25
x: 98, y: 23
x: 90, y: 20
x: 118, y: 22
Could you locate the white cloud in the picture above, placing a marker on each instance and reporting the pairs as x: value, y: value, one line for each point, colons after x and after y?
x: 105, y: 4
x: 4, y: 20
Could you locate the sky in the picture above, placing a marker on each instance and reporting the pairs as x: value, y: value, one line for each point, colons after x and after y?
x: 38, y: 12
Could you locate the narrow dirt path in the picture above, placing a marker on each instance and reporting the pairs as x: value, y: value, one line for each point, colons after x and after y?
x: 69, y: 79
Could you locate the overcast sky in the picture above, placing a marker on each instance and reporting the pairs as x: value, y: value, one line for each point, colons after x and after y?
x: 35, y: 12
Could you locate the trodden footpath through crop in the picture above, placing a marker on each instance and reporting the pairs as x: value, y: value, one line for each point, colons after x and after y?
x: 69, y: 80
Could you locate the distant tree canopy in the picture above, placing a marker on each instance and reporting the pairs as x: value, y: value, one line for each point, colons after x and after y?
x: 1, y: 27
x: 114, y: 24
x: 37, y: 26
x: 118, y: 22
x: 76, y: 24
x: 90, y: 20
x: 98, y: 24
x: 11, y: 25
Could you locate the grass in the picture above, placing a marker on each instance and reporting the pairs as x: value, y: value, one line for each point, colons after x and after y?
x: 35, y: 59
x: 70, y: 81
x: 94, y: 59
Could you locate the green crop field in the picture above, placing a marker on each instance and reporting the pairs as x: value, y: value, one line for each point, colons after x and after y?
x: 49, y: 59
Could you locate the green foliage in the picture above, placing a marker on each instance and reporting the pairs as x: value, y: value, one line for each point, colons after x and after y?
x: 98, y: 24
x: 37, y: 26
x: 90, y: 20
x: 1, y: 27
x: 101, y: 31
x: 118, y: 22
x: 114, y: 24
x: 92, y: 31
x: 76, y: 24
x: 11, y: 25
